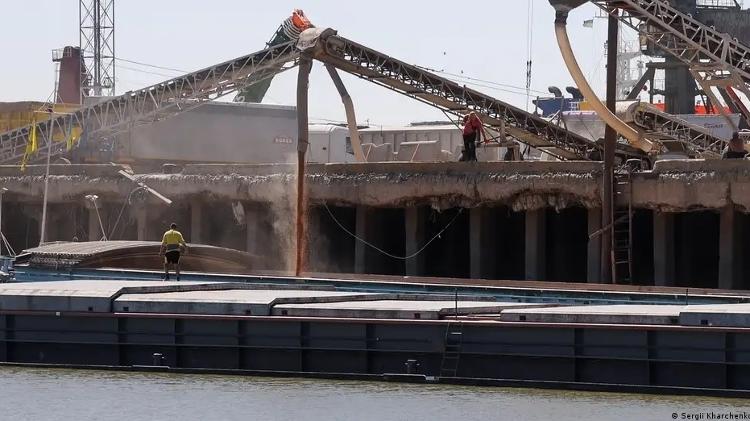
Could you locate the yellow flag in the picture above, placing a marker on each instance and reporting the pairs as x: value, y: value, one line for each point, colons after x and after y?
x: 32, y: 137
x: 31, y: 145
x: 69, y: 136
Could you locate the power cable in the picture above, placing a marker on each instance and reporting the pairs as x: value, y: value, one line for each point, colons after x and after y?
x: 150, y: 65
x: 376, y: 248
x: 455, y: 75
x: 146, y: 71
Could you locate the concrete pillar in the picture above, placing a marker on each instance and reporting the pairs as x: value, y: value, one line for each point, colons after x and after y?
x: 536, y: 245
x: 52, y: 224
x: 65, y: 222
x: 361, y: 229
x: 196, y: 222
x: 594, y: 251
x: 415, y: 224
x: 730, y: 249
x: 664, y: 260
x: 95, y: 230
x: 482, y: 243
x: 141, y: 218
x: 252, y: 222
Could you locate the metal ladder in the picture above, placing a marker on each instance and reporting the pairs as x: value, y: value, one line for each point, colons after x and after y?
x: 622, y: 251
x: 452, y: 351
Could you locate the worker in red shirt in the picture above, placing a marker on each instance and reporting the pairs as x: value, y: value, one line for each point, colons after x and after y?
x: 473, y: 128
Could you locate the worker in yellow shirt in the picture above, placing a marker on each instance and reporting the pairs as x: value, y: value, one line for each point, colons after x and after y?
x: 172, y: 244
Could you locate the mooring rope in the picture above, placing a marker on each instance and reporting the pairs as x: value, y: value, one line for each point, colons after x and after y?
x: 376, y: 248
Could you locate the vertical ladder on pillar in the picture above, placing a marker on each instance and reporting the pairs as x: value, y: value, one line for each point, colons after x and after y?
x: 622, y: 230
x: 452, y: 351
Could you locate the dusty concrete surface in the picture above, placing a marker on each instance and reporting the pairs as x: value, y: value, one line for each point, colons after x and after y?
x: 520, y: 185
x: 682, y: 185
x: 673, y: 185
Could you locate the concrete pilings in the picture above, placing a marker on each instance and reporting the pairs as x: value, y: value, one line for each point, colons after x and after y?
x: 593, y: 250
x: 196, y: 216
x: 483, y: 241
x: 536, y: 245
x: 664, y: 249
x: 415, y: 220
x: 731, y: 249
x: 687, y: 249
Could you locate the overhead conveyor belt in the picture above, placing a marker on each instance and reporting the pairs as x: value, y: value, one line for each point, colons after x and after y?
x: 154, y: 103
x: 700, y: 142
x: 166, y: 99
x: 451, y: 97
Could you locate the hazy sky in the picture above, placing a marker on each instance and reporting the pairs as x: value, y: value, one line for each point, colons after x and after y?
x: 483, y: 39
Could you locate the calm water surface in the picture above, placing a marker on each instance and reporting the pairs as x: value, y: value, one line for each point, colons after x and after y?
x: 56, y: 394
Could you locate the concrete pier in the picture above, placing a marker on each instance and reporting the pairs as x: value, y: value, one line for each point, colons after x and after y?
x: 516, y: 220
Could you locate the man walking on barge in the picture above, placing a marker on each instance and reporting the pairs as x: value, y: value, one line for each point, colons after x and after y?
x: 172, y: 244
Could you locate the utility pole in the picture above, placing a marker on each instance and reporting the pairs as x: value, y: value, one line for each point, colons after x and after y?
x: 610, y: 142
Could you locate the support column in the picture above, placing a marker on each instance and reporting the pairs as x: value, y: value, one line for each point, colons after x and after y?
x: 664, y: 265
x: 53, y: 223
x: 196, y: 222
x: 730, y: 249
x: 594, y: 251
x: 482, y: 243
x: 360, y: 249
x: 252, y: 222
x: 536, y: 245
x: 95, y: 230
x: 303, y: 140
x: 351, y: 118
x: 416, y: 229
x: 141, y: 218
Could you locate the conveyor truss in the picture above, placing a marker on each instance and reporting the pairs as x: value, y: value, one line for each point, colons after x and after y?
x: 718, y: 61
x: 115, y: 115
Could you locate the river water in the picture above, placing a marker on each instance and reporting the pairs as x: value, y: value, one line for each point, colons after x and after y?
x: 59, y: 394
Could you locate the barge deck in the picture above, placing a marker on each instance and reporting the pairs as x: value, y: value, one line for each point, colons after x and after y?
x: 319, y: 330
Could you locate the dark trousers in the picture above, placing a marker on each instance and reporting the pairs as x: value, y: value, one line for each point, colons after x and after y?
x: 470, y: 147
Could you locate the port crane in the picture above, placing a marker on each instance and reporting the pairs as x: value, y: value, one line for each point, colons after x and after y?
x: 718, y: 61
